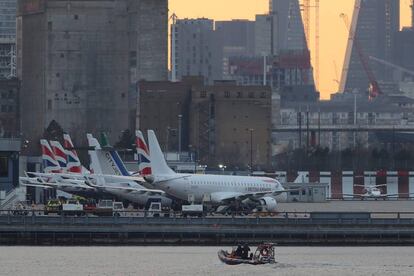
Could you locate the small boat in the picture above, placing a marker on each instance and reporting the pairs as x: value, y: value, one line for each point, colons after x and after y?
x: 264, y: 254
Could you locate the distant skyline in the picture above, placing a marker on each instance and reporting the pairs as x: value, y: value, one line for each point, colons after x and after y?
x: 334, y: 34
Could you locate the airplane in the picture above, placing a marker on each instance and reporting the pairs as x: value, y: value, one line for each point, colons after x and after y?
x: 106, y: 163
x: 223, y: 192
x: 53, y: 175
x: 73, y: 163
x: 373, y: 191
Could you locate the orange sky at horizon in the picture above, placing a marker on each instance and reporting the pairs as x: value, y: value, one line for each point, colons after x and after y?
x: 333, y: 33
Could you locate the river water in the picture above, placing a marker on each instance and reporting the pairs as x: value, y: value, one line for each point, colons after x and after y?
x: 202, y: 261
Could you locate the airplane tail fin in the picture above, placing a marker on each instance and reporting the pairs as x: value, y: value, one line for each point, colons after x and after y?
x: 73, y: 163
x: 144, y: 163
x: 60, y: 154
x: 50, y: 165
x: 105, y: 161
x: 158, y: 164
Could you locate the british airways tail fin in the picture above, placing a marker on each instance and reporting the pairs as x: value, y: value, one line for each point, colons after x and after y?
x: 158, y: 164
x: 60, y: 154
x: 50, y: 165
x: 73, y: 163
x: 144, y: 163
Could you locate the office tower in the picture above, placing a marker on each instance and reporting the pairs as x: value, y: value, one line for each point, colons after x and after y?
x: 373, y: 28
x: 288, y: 30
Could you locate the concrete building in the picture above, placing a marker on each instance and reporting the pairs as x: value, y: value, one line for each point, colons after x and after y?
x: 7, y: 39
x: 393, y: 111
x: 263, y: 35
x: 289, y: 68
x: 215, y: 123
x: 195, y: 50
x: 230, y: 124
x: 9, y: 108
x: 236, y: 37
x: 160, y: 104
x: 375, y: 24
x: 79, y: 60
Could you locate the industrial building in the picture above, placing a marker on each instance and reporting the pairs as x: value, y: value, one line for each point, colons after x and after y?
x: 78, y: 62
x: 222, y: 123
x: 373, y: 28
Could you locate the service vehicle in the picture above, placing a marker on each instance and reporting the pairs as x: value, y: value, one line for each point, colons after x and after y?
x: 109, y: 208
x: 72, y: 207
x: 53, y: 206
x: 22, y: 208
x: 192, y: 210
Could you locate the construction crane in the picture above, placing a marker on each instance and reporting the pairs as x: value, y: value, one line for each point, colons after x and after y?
x: 317, y: 36
x: 374, y: 89
x: 412, y: 14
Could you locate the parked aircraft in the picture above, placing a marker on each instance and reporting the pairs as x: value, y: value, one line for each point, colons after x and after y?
x: 107, y: 162
x: 221, y: 191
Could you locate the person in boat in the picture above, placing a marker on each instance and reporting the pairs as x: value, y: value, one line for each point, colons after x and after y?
x: 239, y: 251
x: 245, y: 251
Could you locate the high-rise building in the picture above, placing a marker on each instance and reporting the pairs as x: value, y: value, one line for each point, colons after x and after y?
x: 78, y: 62
x: 263, y: 35
x: 195, y: 50
x: 8, y: 39
x: 288, y: 30
x: 236, y: 37
x: 373, y: 28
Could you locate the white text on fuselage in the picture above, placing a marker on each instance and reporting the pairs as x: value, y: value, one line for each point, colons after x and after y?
x: 258, y: 189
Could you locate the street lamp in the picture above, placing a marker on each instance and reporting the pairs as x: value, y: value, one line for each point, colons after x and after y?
x: 180, y: 118
x: 251, y: 150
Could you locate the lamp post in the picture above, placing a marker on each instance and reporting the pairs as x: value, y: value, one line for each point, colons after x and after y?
x: 180, y: 118
x: 251, y: 150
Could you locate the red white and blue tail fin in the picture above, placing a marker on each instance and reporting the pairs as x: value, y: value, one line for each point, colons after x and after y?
x: 73, y: 163
x: 60, y: 154
x: 50, y: 164
x: 144, y: 162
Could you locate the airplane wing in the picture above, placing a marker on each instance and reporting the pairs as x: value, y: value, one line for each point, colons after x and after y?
x: 129, y: 189
x: 228, y: 197
x: 36, y: 185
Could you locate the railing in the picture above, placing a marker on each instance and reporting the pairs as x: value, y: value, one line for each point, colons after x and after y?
x: 36, y: 217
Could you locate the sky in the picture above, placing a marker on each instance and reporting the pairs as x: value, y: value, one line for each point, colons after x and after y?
x: 333, y: 33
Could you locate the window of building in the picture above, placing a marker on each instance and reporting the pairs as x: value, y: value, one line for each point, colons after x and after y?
x: 227, y: 94
x: 203, y: 94
x: 263, y: 95
x: 76, y: 17
x: 49, y: 104
x: 239, y: 95
x: 49, y: 25
x: 4, y: 166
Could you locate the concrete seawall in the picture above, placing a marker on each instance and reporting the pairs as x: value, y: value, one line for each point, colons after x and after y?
x: 315, y: 229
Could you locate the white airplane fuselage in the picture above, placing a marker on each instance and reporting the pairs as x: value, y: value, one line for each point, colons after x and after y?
x: 184, y: 186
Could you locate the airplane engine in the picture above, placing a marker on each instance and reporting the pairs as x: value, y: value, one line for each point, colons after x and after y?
x: 268, y: 203
x: 149, y: 178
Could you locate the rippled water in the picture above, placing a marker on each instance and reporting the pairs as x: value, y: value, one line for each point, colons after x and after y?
x: 202, y: 261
